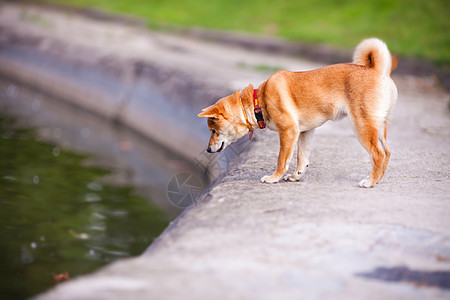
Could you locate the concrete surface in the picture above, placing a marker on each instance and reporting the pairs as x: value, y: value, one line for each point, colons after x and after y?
x: 321, y: 238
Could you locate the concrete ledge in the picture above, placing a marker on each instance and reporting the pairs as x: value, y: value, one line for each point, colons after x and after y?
x: 60, y: 87
x: 321, y: 238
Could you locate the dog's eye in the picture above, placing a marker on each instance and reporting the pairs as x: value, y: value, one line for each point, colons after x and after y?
x: 213, y: 131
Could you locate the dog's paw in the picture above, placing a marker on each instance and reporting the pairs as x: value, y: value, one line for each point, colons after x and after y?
x: 366, y: 183
x: 296, y: 176
x: 269, y: 179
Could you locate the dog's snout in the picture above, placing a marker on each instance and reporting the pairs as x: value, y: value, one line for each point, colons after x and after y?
x: 208, y: 150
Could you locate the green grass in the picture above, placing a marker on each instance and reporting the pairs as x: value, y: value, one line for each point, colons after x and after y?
x: 414, y: 28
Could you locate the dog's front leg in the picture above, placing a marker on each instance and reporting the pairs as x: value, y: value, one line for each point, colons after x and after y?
x: 303, y: 153
x: 288, y: 138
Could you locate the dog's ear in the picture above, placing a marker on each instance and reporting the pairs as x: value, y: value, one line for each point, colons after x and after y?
x: 394, y: 62
x: 210, y: 112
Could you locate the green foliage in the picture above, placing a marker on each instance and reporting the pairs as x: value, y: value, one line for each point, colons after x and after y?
x: 262, y: 68
x: 55, y: 216
x: 410, y: 27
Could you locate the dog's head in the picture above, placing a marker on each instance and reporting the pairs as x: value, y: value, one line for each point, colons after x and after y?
x: 226, y: 121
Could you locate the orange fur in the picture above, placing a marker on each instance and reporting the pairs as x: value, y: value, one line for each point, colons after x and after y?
x: 294, y: 103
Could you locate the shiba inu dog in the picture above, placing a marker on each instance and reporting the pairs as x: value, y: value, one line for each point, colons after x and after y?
x: 295, y: 103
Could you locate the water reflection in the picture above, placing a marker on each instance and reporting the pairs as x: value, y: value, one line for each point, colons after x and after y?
x: 61, y: 211
x: 56, y: 216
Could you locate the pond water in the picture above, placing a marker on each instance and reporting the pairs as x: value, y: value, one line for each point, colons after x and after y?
x: 74, y: 210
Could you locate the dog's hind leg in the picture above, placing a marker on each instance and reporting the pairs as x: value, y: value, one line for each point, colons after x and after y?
x: 368, y: 137
x: 288, y: 139
x: 303, y: 152
x: 387, y: 152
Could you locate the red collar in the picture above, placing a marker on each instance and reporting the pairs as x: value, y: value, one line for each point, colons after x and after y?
x: 258, y: 115
x: 258, y: 112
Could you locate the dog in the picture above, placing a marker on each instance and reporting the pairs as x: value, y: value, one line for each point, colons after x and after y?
x: 295, y: 103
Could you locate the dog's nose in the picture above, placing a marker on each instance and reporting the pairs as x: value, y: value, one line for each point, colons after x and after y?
x: 208, y: 150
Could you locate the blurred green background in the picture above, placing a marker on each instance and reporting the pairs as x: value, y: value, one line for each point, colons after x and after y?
x: 413, y: 28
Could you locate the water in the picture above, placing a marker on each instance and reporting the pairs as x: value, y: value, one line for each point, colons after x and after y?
x: 62, y: 211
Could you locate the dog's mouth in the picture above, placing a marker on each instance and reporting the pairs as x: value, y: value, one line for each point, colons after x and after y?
x: 221, y: 147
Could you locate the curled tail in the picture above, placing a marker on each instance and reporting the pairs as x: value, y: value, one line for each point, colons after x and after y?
x: 375, y: 54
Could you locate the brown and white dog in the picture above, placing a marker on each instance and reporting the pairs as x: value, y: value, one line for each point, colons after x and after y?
x: 295, y: 103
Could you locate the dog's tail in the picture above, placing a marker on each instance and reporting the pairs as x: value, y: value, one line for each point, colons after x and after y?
x: 375, y: 54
